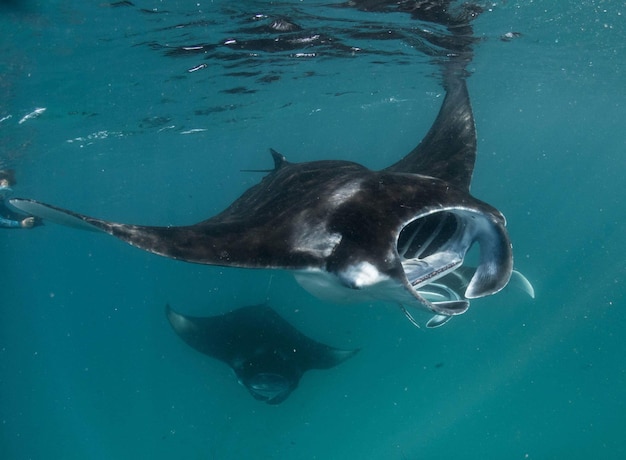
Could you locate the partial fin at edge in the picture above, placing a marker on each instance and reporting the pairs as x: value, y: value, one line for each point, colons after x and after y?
x: 53, y: 214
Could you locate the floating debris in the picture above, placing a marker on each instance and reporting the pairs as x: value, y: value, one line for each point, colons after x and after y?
x: 507, y: 37
x: 34, y: 114
x: 194, y: 130
x: 196, y: 68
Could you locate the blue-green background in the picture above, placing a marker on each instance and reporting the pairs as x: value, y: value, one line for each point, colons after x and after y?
x: 90, y: 368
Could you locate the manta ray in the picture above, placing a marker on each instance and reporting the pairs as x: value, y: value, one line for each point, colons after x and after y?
x: 267, y: 354
x: 349, y: 233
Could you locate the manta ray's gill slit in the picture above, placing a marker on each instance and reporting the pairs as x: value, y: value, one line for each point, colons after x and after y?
x: 425, y: 245
x: 434, y: 274
x: 404, y: 242
x: 447, y: 231
x: 426, y: 236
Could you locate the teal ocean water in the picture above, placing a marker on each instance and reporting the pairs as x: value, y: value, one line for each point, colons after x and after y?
x: 137, y: 129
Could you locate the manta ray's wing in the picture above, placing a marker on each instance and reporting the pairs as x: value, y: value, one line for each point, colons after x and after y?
x: 278, y: 223
x: 448, y: 151
x: 267, y: 354
x: 243, y: 331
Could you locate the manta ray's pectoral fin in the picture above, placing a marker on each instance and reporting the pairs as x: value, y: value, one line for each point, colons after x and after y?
x: 152, y: 239
x: 192, y: 243
x: 333, y: 356
x: 54, y: 214
x: 448, y: 151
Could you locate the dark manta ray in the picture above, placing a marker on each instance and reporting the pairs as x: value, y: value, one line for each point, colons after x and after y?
x: 347, y: 232
x: 268, y: 355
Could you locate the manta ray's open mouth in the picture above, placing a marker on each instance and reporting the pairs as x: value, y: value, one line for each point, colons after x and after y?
x: 430, y: 247
x: 435, y: 245
x: 269, y: 387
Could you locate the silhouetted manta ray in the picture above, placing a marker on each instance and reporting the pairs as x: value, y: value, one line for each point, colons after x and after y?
x: 349, y: 233
x: 267, y: 354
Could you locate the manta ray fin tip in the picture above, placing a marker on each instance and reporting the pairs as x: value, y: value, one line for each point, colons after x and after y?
x: 279, y: 159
